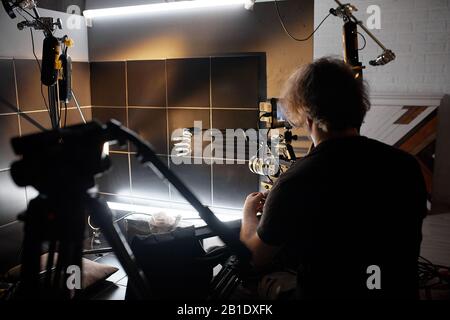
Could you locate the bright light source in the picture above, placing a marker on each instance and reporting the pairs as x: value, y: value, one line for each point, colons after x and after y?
x: 249, y: 4
x: 106, y: 148
x: 163, y: 7
x: 174, y: 209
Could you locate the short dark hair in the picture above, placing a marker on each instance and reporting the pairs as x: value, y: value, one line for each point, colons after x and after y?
x: 327, y: 92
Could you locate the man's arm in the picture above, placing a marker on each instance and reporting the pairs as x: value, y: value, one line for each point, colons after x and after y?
x: 262, y: 253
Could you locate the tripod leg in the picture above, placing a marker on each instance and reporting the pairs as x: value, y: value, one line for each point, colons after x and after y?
x: 32, y: 242
x: 50, y: 263
x: 103, y: 218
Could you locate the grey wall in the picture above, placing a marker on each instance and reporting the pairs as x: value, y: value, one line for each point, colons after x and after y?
x: 17, y: 44
x: 416, y: 30
x: 210, y: 32
x: 61, y: 5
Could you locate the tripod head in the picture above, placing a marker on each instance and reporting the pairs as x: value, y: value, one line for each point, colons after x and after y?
x: 60, y: 158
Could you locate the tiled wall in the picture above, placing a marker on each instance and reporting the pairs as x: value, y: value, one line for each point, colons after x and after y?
x: 154, y: 97
x: 20, y: 100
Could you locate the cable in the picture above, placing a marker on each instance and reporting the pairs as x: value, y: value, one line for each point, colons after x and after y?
x: 365, y: 41
x: 40, y: 69
x: 34, y: 51
x: 20, y: 13
x: 65, y: 114
x: 39, y: 21
x: 287, y: 31
x: 430, y: 274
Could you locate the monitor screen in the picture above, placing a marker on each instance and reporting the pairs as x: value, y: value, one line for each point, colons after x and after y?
x: 278, y: 116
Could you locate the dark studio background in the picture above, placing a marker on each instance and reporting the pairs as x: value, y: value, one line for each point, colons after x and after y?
x: 173, y: 72
x: 156, y: 73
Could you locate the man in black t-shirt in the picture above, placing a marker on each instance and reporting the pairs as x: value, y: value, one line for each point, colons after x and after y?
x: 349, y: 214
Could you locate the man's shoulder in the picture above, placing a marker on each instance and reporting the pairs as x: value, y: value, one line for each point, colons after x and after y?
x: 371, y: 151
x: 390, y: 153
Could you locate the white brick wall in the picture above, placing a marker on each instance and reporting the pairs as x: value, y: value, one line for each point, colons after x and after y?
x: 418, y: 31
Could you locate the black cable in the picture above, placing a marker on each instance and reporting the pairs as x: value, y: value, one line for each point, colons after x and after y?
x: 18, y: 11
x: 365, y: 41
x: 262, y: 115
x: 34, y: 51
x: 39, y: 21
x: 40, y: 69
x: 429, y: 271
x: 65, y: 114
x: 287, y: 31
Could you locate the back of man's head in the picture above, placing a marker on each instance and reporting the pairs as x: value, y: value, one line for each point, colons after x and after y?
x: 326, y: 92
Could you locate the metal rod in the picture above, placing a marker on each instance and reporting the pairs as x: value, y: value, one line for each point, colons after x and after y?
x: 367, y: 31
x: 98, y: 251
x: 53, y: 106
x: 137, y: 280
x: 78, y: 107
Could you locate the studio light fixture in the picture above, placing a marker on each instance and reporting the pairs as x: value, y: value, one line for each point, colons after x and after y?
x: 165, y: 7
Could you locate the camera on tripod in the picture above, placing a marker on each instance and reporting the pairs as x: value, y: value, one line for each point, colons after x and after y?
x: 276, y: 153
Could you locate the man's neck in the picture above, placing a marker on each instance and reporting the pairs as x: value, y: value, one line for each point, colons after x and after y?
x: 320, y: 136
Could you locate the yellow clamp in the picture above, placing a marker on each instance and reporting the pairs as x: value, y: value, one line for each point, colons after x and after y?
x: 58, y: 63
x: 68, y: 42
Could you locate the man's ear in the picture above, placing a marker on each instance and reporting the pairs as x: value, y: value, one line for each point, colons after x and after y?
x: 309, y: 124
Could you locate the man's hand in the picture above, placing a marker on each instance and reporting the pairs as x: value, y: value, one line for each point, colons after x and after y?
x: 262, y: 253
x: 254, y: 203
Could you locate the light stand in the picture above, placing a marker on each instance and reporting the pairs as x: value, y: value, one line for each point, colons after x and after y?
x: 55, y: 64
x: 350, y: 35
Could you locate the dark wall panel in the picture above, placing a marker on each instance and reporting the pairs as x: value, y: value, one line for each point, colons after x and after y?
x: 108, y: 86
x: 146, y: 183
x: 81, y: 76
x: 9, y: 128
x: 150, y: 124
x: 117, y: 179
x: 7, y: 87
x: 196, y: 176
x: 237, y: 119
x: 188, y: 82
x: 186, y: 118
x: 146, y: 83
x: 103, y: 115
x: 232, y: 184
x: 74, y: 116
x: 29, y: 86
x: 235, y: 82
x: 28, y: 127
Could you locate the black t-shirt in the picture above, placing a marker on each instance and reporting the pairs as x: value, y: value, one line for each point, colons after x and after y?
x: 350, y: 204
